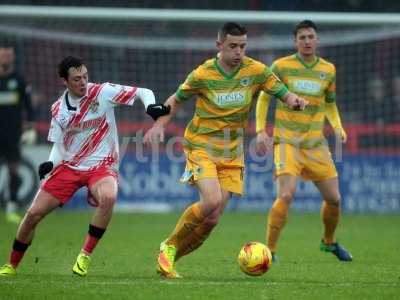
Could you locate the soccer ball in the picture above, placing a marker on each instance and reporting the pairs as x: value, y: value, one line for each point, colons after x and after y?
x: 254, y: 259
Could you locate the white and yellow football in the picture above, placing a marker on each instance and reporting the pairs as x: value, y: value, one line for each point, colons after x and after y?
x: 254, y: 259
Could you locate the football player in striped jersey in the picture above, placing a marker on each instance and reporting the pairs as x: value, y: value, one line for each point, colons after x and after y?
x: 300, y: 148
x: 85, y: 153
x: 223, y: 88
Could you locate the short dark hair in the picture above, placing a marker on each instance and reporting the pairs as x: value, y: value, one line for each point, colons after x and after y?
x: 304, y: 24
x: 67, y: 63
x: 232, y: 29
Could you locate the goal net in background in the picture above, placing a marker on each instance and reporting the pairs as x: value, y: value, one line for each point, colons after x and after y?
x: 158, y: 48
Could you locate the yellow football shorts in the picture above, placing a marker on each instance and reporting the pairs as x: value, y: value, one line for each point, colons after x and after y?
x: 199, y: 165
x: 311, y: 164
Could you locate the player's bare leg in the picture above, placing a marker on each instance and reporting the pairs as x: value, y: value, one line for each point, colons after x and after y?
x: 330, y: 213
x: 105, y: 193
x: 278, y: 213
x: 42, y: 205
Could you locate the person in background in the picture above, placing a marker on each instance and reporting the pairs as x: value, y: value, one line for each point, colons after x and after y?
x: 16, y: 124
x: 300, y: 148
x: 379, y: 110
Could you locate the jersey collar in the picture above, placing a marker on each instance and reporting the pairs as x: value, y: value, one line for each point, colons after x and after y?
x: 68, y: 103
x: 69, y: 106
x: 223, y: 73
x: 307, y: 65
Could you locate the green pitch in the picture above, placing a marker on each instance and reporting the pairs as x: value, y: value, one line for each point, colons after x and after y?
x: 123, y: 265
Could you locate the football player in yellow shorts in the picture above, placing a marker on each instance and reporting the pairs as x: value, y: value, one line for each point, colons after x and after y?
x: 300, y: 148
x: 223, y: 88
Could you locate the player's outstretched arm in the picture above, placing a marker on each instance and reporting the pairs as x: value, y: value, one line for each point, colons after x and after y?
x: 156, y: 133
x: 153, y: 109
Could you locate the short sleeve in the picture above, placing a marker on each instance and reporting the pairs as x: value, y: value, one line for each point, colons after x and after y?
x: 272, y: 84
x: 189, y: 88
x: 275, y: 69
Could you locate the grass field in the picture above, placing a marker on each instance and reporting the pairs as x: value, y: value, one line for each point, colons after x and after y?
x: 123, y: 266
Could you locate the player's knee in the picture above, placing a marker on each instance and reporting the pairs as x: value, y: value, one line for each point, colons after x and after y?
x: 334, y: 200
x: 212, y: 203
x: 33, y: 216
x: 107, y: 200
x: 286, y: 196
x: 214, y: 207
x: 210, y: 222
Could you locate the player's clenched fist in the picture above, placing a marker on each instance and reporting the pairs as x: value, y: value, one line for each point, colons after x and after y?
x: 295, y: 102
